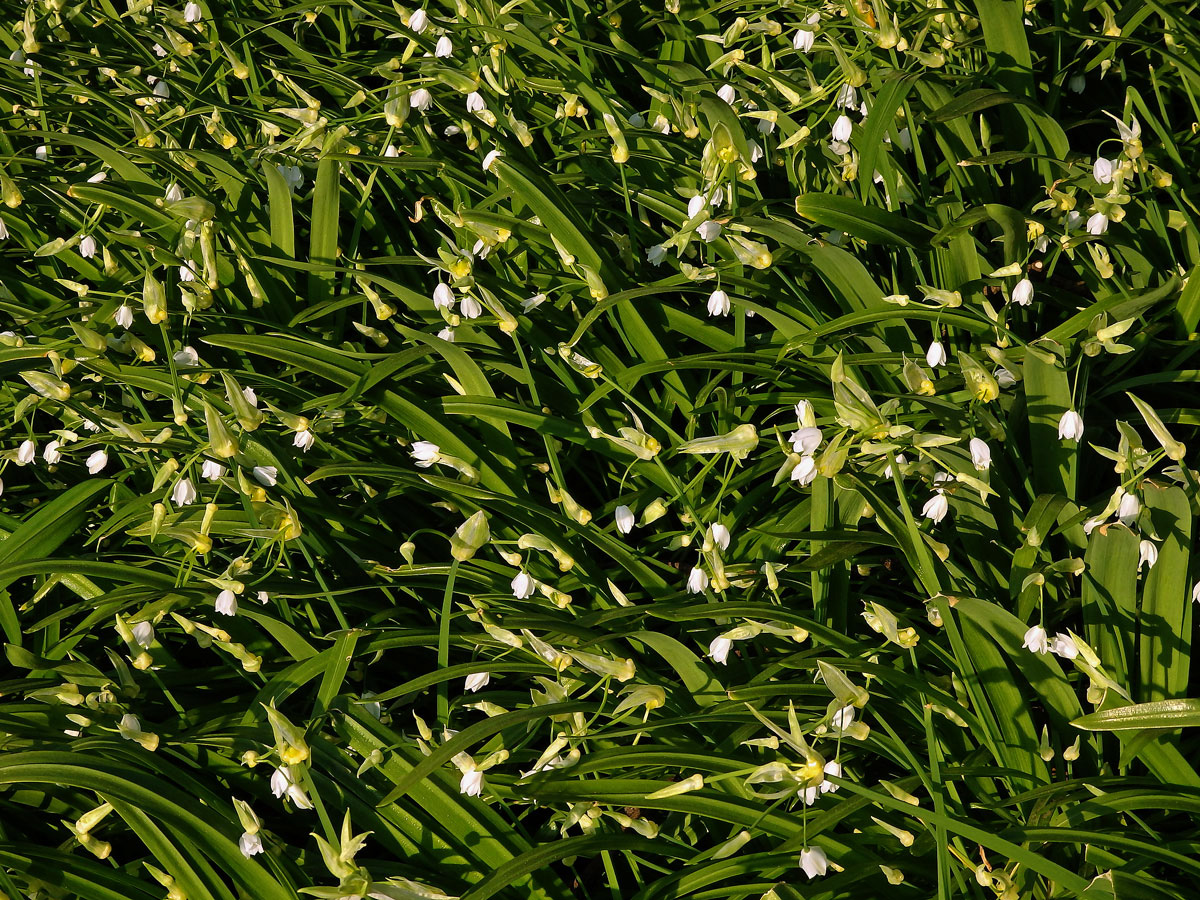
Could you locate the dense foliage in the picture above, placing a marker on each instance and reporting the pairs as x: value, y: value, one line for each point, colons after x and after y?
x: 564, y: 449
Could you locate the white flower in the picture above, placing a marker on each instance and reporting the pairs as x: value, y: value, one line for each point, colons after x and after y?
x: 709, y: 230
x: 250, y: 844
x: 87, y: 247
x: 124, y: 316
x: 806, y: 440
x: 226, y: 603
x: 656, y: 254
x: 251, y: 397
x: 813, y: 861
x: 809, y: 794
x: 719, y: 649
x: 901, y: 460
x: 727, y: 93
x: 1147, y: 554
x: 186, y: 272
x: 444, y: 48
x: 1129, y: 508
x: 97, y: 178
x: 624, y: 517
x: 981, y: 455
x: 446, y: 334
x: 936, y: 355
x: 1196, y: 593
x: 471, y: 783
x: 904, y: 138
x: 1102, y: 170
x: 718, y: 303
x: 936, y: 507
x: 756, y: 150
x: 143, y: 634
x: 490, y: 158
x: 1004, y: 378
x: 304, y: 440
x: 470, y: 307
x: 174, y: 193
x: 805, y: 471
x: 162, y: 90
x: 281, y: 780
x: 719, y: 534
x: 418, y: 21
x: 296, y: 795
x: 42, y: 152
x: 26, y: 453
x: 212, y: 470
x: 637, y: 120
x: 805, y: 417
x: 263, y: 597
x: 842, y: 128
x: 834, y: 768
x: 420, y: 100
x: 1073, y: 220
x: 803, y: 41
x: 1022, y: 294
x: 1064, y: 645
x: 265, y: 475
x: 697, y: 580
x: 475, y: 103
x: 443, y: 296
x: 1070, y: 426
x: 523, y: 585
x: 846, y: 96
x: 193, y: 13
x: 696, y: 204
x: 187, y: 358
x: 1036, y: 640
x: 477, y: 680
x: 1097, y: 223
x: 843, y: 718
x: 51, y: 454
x: 661, y: 124
x: 96, y: 462
x: 1077, y: 84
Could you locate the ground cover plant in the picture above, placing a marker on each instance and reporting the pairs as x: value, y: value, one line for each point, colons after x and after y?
x: 559, y: 449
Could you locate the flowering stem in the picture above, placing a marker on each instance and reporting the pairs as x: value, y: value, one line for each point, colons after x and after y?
x: 443, y: 697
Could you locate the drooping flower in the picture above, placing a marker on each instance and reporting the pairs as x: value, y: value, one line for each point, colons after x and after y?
x: 250, y: 844
x: 842, y: 128
x: 624, y: 518
x: 444, y: 48
x: 143, y: 633
x: 1129, y: 508
x: 697, y: 580
x: 492, y: 156
x: 1022, y: 294
x: 226, y: 603
x: 96, y: 462
x: 719, y: 534
x: 656, y: 254
x: 981, y: 455
x: 476, y: 681
x: 186, y: 358
x: 420, y: 100
x: 834, y: 768
x: 418, y: 21
x: 523, y: 586
x: 1102, y: 170
x: 212, y: 470
x: 184, y: 493
x: 805, y: 471
x: 813, y: 861
x: 709, y: 231
x: 1147, y: 554
x: 1064, y: 645
x: 87, y: 247
x: 1036, y: 640
x: 1097, y: 223
x: 26, y: 453
x: 1070, y: 426
x: 52, y: 454
x: 476, y: 103
x: 936, y: 507
x: 846, y: 97
x: 265, y: 475
x: 304, y: 440
x: 471, y: 783
x: 803, y: 41
x: 192, y: 12
x: 806, y: 440
x: 718, y: 303
x: 936, y: 355
x: 727, y: 93
x: 470, y: 307
x: 719, y: 649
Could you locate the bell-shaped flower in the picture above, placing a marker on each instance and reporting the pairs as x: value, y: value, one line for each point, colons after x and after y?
x: 418, y: 21
x: 477, y: 680
x: 87, y: 247
x: 124, y: 316
x: 303, y: 440
x: 424, y: 453
x: 834, y: 768
x: 212, y: 470
x: 476, y: 103
x: 471, y: 783
x: 1102, y: 170
x: 226, y: 603
x: 1022, y: 294
x: 1070, y: 426
x: 625, y: 519
x: 936, y: 507
x: 981, y: 455
x: 709, y: 231
x: 806, y: 440
x: 1097, y: 224
x: 718, y: 534
x: 803, y: 40
x: 1064, y: 645
x: 444, y: 48
x: 1036, y: 640
x: 697, y: 580
x: 265, y: 475
x: 471, y: 308
x: 1147, y: 554
x: 813, y: 861
x: 26, y: 453
x: 718, y: 303
x: 52, y: 454
x: 1129, y: 508
x: 523, y: 586
x: 184, y: 493
x: 96, y: 462
x: 718, y: 649
x: 936, y: 355
x: 250, y: 844
x: 192, y: 12
x: 805, y: 471
x: 727, y: 93
x: 420, y: 100
x: 842, y: 128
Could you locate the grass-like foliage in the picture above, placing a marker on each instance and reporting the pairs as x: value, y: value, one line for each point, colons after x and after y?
x: 564, y: 449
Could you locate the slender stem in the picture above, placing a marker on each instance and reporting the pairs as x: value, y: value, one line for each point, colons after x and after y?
x: 443, y: 697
